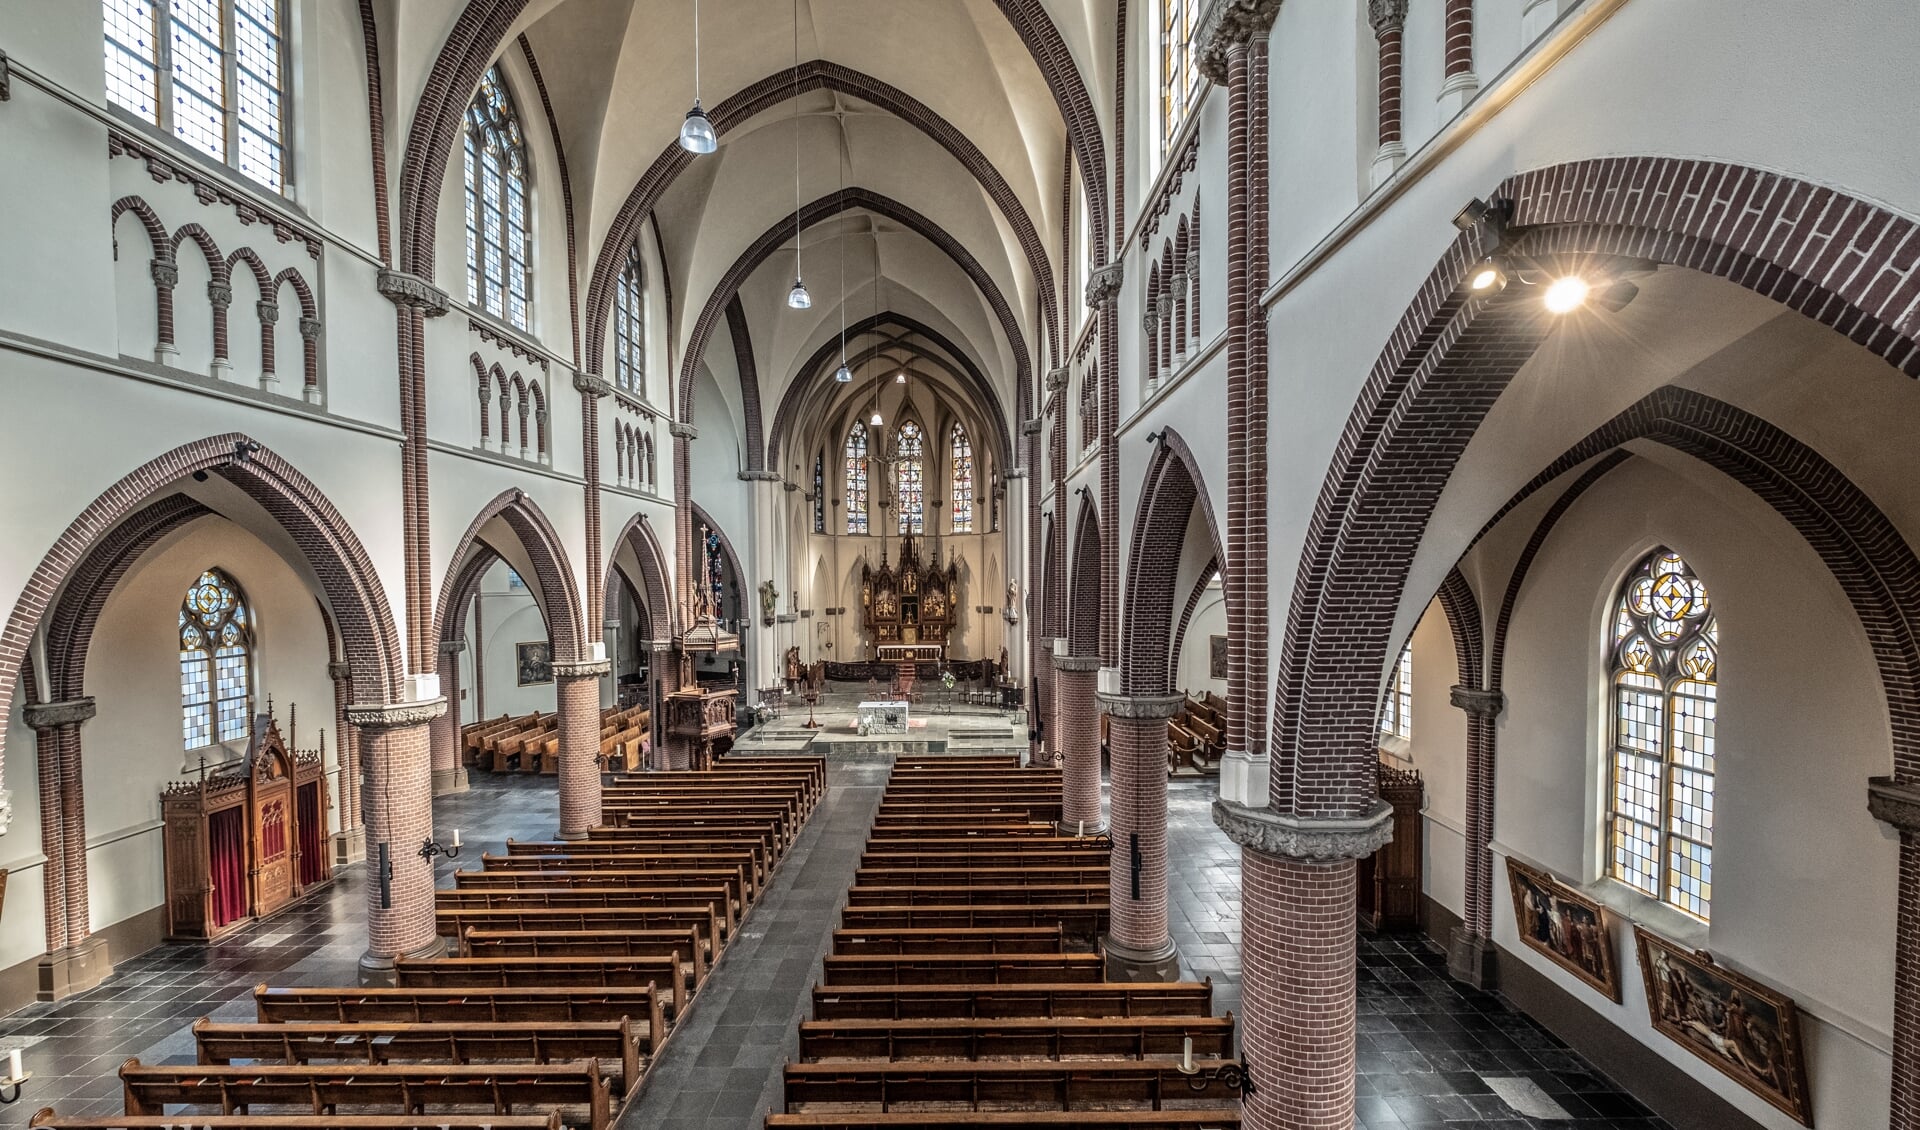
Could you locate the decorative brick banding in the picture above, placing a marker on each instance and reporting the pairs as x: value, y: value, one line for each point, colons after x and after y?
x: 557, y: 595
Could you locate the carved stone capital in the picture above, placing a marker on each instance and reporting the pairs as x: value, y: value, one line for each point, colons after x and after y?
x: 269, y: 312
x: 1076, y: 663
x: 1895, y: 802
x: 1142, y: 706
x: 593, y: 384
x: 1057, y: 378
x: 1193, y: 264
x: 395, y: 715
x: 540, y: 414
x: 1014, y: 473
x: 165, y: 273
x: 1150, y: 322
x: 582, y: 669
x: 452, y: 647
x: 1225, y: 25
x: 683, y: 431
x: 47, y: 715
x: 1166, y: 306
x: 6, y: 95
x: 1273, y: 833
x: 1030, y: 427
x: 414, y: 292
x: 220, y: 294
x: 1103, y: 286
x: 1386, y: 15
x: 760, y: 476
x: 339, y: 669
x: 1474, y: 700
x: 310, y: 328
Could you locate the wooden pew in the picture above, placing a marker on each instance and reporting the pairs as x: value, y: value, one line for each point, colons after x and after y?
x: 974, y: 846
x: 992, y: 939
x: 1078, y: 920
x: 987, y: 859
x: 1212, y: 1119
x: 686, y: 945
x: 48, y: 1120
x: 705, y: 918
x: 703, y: 877
x: 1006, y: 1084
x: 693, y: 826
x: 562, y: 898
x: 399, y: 1088
x: 986, y: 809
x: 462, y: 1006
x: 911, y: 831
x: 1103, y: 998
x: 1068, y: 1037
x: 611, y: 842
x: 599, y: 971
x: 962, y: 968
x: 1000, y: 895
x: 610, y: 1042
x: 1017, y: 875
x: 739, y: 865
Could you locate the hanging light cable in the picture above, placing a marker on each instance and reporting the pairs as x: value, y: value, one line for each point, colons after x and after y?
x: 843, y: 374
x: 797, y: 298
x: 696, y: 133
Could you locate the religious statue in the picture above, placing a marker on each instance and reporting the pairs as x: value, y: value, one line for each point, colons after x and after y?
x: 769, y: 600
x: 790, y: 668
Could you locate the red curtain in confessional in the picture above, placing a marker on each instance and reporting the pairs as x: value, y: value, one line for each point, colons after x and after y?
x: 313, y: 834
x: 227, y: 841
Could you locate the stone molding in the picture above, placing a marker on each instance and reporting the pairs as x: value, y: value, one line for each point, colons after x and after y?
x: 414, y: 292
x: 582, y: 669
x: 593, y: 384
x: 339, y: 669
x: 1076, y: 663
x: 6, y: 78
x: 395, y: 715
x: 1894, y: 802
x: 1475, y: 700
x: 1014, y: 473
x: 1030, y: 427
x: 452, y: 647
x: 1150, y: 322
x: 683, y: 431
x: 1057, y: 378
x: 1386, y: 14
x: 1274, y: 833
x: 47, y: 715
x: 790, y: 487
x: 1225, y: 25
x: 1103, y: 285
x: 1146, y: 706
x: 758, y: 476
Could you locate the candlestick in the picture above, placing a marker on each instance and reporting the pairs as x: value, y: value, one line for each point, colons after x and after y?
x: 456, y: 838
x: 14, y: 1071
x: 1186, y: 1056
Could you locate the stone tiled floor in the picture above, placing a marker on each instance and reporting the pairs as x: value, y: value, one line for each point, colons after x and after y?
x: 1431, y: 1054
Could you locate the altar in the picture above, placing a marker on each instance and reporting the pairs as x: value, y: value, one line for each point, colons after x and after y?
x: 909, y: 653
x: 882, y: 718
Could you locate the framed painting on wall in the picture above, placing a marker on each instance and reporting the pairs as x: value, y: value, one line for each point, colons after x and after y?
x: 1217, y: 657
x: 1565, y: 925
x: 1746, y: 1030
x: 533, y: 662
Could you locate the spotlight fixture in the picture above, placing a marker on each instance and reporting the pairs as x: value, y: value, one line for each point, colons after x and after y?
x: 696, y: 133
x: 1475, y: 211
x: 798, y: 298
x: 900, y: 377
x: 244, y: 448
x: 1615, y: 296
x: 843, y: 374
x: 1566, y: 294
x: 1153, y: 437
x: 199, y: 476
x: 1487, y: 279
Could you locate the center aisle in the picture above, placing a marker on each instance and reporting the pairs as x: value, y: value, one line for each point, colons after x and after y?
x: 722, y: 1068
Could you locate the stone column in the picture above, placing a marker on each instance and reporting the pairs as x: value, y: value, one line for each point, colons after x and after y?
x: 1470, y: 950
x: 1389, y: 18
x: 1298, y: 986
x: 1075, y: 682
x: 75, y: 960
x: 1458, y: 88
x: 350, y: 842
x: 663, y: 671
x: 395, y: 745
x: 1139, y: 946
x: 1896, y: 801
x: 769, y: 536
x: 166, y: 276
x: 449, y: 775
x: 220, y: 295
x: 577, y: 701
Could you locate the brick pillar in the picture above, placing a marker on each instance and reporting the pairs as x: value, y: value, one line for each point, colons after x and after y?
x: 1457, y: 89
x: 1389, y: 18
x: 1138, y: 945
x: 395, y: 744
x: 449, y: 774
x: 1075, y: 681
x: 1297, y: 990
x: 577, y: 700
x: 75, y: 960
x: 166, y: 276
x: 1049, y: 743
x: 663, y: 671
x: 1470, y: 949
x: 1896, y: 801
x: 350, y: 842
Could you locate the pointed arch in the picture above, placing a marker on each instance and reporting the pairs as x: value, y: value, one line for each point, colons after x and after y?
x: 1173, y: 488
x: 856, y: 490
x: 557, y: 594
x: 960, y: 486
x: 1083, y: 619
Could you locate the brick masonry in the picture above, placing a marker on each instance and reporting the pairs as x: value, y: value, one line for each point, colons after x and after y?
x: 1137, y: 738
x: 577, y: 696
x: 1077, y: 737
x: 557, y: 594
x: 399, y: 789
x: 1297, y: 991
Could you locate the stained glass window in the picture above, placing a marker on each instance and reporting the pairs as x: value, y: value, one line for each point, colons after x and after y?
x: 1396, y: 710
x: 1665, y: 646
x: 820, y: 492
x: 962, y: 481
x: 1179, y: 78
x: 909, y: 491
x: 856, y: 471
x: 630, y: 326
x: 499, y: 240
x: 216, y: 657
x: 210, y: 72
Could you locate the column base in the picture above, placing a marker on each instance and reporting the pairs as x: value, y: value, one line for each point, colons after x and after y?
x: 1456, y: 92
x: 1074, y: 828
x: 570, y: 837
x: 221, y: 369
x: 1472, y: 960
x: 450, y: 781
x: 350, y: 847
x: 74, y: 969
x: 1386, y: 162
x: 1244, y: 779
x: 1124, y: 963
x: 377, y: 970
x: 312, y: 394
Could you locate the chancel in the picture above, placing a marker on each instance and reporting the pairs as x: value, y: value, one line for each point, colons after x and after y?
x: 1177, y: 564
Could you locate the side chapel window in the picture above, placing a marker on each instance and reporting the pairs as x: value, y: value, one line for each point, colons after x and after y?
x: 216, y: 662
x: 1396, y: 711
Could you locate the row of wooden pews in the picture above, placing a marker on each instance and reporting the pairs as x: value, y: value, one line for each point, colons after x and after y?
x: 530, y: 743
x: 1197, y: 736
x: 571, y: 963
x: 965, y: 987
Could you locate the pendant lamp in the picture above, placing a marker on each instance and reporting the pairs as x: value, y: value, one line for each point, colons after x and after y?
x: 696, y: 132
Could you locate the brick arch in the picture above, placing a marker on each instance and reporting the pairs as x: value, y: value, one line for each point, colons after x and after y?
x: 466, y: 583
x: 149, y: 220
x: 654, y: 581
x: 559, y: 596
x: 262, y: 277
x: 742, y: 338
x: 1083, y: 620
x: 216, y: 262
x: 1043, y: 600
x: 1186, y: 617
x: 1172, y: 489
x: 790, y: 401
x: 346, y: 574
x: 1464, y: 622
x: 816, y: 212
x: 1840, y: 260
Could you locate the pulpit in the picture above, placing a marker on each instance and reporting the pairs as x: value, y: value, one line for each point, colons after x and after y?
x: 703, y: 718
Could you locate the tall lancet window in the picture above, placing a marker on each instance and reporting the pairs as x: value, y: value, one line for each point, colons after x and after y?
x: 630, y: 325
x: 1179, y: 77
x: 499, y: 234
x: 1665, y: 646
x: 961, y: 494
x: 216, y: 661
x: 820, y: 492
x: 855, y: 455
x: 1396, y: 710
x: 909, y: 486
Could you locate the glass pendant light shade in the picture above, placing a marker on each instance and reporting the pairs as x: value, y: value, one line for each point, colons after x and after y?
x: 900, y: 377
x: 696, y: 133
x: 798, y: 298
x: 877, y: 421
x: 843, y: 374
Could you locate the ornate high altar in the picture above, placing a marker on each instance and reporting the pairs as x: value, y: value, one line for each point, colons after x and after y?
x: 909, y: 606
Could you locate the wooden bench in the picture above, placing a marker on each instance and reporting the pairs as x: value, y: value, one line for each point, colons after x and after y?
x: 962, y: 968
x: 1100, y: 999
x: 991, y: 939
x: 455, y: 923
x: 462, y: 1006
x: 911, y: 831
x: 1091, y: 856
x: 1212, y: 1119
x: 729, y: 879
x: 1067, y: 1037
x: 740, y: 865
x: 686, y: 945
x: 563, y: 898
x: 611, y: 1042
x: 48, y: 1120
x: 1018, y: 875
x: 692, y: 827
x: 994, y: 809
x: 1006, y: 1084
x: 1078, y: 920
x: 999, y: 894
x: 398, y: 1088
x: 661, y: 970
x: 611, y: 842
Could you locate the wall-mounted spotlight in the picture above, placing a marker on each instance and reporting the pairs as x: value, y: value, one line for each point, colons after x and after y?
x: 245, y: 447
x: 199, y: 476
x: 1474, y: 211
x: 1487, y: 279
x: 1154, y: 437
